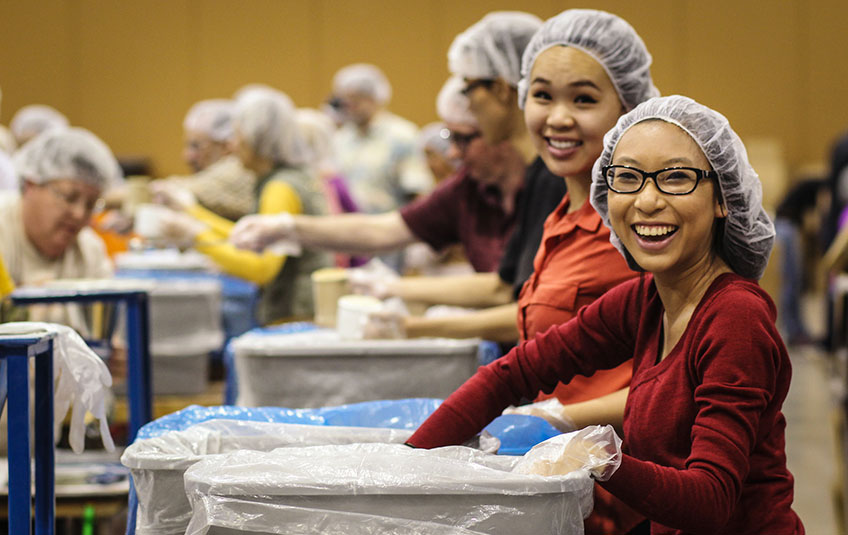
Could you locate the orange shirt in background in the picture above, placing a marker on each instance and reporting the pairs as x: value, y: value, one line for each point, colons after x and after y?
x: 114, y: 241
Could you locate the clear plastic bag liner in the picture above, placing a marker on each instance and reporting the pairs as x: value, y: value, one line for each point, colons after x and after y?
x: 157, y: 464
x: 217, y: 514
x: 452, y: 486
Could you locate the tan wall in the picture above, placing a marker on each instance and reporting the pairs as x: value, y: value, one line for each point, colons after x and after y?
x: 129, y: 70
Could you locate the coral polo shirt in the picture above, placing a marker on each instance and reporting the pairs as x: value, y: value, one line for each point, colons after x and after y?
x: 575, y: 264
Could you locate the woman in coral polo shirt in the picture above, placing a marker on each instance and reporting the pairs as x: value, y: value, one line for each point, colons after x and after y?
x: 580, y: 72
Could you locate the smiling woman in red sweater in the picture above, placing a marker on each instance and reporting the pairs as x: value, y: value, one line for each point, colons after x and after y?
x: 703, y: 428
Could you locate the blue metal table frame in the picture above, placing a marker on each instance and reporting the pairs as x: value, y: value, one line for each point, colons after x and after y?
x: 139, y: 381
x: 139, y: 388
x: 15, y: 352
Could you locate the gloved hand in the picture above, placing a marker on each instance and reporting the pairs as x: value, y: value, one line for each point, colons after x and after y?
x: 256, y: 232
x: 550, y: 409
x: 173, y: 196
x: 384, y: 325
x: 374, y: 278
x: 179, y: 228
x: 595, y: 448
x: 80, y: 377
x: 388, y: 323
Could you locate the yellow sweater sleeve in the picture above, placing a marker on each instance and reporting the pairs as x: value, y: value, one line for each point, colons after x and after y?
x: 6, y: 283
x: 260, y: 268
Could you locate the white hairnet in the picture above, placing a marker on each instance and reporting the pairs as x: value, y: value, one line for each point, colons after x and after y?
x: 452, y: 106
x: 492, y: 47
x: 213, y: 117
x: 364, y: 79
x: 73, y: 153
x: 253, y: 88
x: 609, y: 39
x: 7, y: 141
x: 748, y: 233
x: 266, y: 121
x: 317, y: 129
x: 31, y: 120
x: 8, y: 176
x: 436, y: 137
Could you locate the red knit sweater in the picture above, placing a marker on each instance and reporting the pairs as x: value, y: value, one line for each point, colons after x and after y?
x: 703, y: 427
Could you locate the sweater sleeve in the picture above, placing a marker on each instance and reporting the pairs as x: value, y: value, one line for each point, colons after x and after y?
x: 599, y: 337
x: 736, y: 372
x: 260, y: 268
x: 6, y: 283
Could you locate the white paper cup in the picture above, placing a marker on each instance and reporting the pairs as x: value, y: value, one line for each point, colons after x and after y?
x: 148, y: 220
x: 352, y: 315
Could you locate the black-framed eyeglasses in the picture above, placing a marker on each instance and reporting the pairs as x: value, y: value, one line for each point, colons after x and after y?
x: 672, y: 180
x: 462, y: 140
x: 474, y: 84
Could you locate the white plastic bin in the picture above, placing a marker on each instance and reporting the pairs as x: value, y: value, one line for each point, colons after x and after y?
x: 157, y: 464
x: 185, y: 327
x: 318, y: 368
x: 366, y: 489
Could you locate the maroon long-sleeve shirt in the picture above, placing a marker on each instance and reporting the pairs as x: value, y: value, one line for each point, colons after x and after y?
x: 703, y: 427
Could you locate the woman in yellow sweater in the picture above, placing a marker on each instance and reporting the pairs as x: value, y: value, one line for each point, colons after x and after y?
x: 269, y: 144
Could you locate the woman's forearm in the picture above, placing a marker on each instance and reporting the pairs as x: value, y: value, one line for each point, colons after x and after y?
x: 496, y: 323
x: 354, y: 233
x: 608, y: 409
x: 477, y: 290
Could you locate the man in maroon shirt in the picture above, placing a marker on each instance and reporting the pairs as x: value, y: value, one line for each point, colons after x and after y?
x: 475, y: 208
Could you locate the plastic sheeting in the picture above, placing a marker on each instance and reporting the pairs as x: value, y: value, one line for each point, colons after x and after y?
x: 318, y: 368
x: 517, y: 434
x: 363, y: 489
x: 157, y: 464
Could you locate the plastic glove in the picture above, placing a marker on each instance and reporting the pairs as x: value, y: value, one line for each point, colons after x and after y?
x: 80, y: 379
x: 387, y: 323
x: 179, y: 228
x: 374, y: 279
x: 596, y: 449
x: 256, y: 232
x: 550, y: 409
x: 173, y: 196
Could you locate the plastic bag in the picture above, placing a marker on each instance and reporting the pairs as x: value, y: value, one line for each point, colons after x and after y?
x: 372, y: 278
x: 387, y: 487
x: 157, y: 464
x: 81, y: 380
x: 594, y: 449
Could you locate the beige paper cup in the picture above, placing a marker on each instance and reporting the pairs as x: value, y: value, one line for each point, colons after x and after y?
x: 328, y: 284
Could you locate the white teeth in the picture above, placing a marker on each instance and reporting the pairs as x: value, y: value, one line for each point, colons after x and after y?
x: 654, y: 230
x: 557, y: 144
